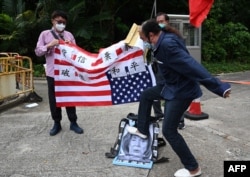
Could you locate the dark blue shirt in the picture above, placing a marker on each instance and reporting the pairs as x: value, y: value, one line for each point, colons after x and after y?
x: 182, y: 73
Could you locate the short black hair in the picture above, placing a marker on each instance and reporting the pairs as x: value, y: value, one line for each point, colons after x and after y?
x: 165, y: 15
x: 59, y: 13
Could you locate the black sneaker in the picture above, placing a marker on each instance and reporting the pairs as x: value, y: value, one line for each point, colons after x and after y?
x: 56, y: 129
x: 74, y: 127
x: 181, y: 126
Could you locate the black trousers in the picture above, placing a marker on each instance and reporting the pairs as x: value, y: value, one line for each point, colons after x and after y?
x: 157, y: 108
x: 56, y: 112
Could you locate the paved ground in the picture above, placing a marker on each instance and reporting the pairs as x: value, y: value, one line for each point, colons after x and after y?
x: 27, y: 150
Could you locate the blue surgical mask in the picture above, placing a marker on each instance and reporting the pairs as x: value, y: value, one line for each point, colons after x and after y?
x: 162, y: 25
x: 147, y: 45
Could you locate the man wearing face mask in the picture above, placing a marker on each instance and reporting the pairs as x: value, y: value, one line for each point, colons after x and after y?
x: 47, y: 41
x: 163, y: 21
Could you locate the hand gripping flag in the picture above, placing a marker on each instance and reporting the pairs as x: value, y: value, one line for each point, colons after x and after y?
x: 115, y: 75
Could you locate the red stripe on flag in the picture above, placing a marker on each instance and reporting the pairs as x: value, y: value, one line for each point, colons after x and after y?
x: 77, y: 83
x: 62, y: 62
x: 101, y: 75
x: 83, y: 93
x: 99, y: 103
x: 99, y: 61
x: 132, y: 55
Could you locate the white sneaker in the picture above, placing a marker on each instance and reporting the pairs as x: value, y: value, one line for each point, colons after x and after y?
x: 134, y: 131
x: 185, y: 173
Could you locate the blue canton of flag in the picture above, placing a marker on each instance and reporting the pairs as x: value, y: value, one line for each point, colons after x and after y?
x: 128, y: 89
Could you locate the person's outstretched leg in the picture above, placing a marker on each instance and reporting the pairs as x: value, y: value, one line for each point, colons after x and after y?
x: 174, y: 110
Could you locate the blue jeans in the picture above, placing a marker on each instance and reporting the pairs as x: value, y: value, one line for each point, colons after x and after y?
x: 173, y: 112
x: 174, y: 109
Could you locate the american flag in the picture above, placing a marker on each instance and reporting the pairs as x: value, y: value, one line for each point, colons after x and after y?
x: 115, y: 75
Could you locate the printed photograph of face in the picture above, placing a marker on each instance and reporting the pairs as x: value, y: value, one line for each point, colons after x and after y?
x: 135, y: 148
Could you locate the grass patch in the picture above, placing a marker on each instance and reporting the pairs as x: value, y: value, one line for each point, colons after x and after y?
x: 226, y: 67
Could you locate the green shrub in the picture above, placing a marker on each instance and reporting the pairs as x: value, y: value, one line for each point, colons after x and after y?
x: 39, y: 71
x: 225, y: 42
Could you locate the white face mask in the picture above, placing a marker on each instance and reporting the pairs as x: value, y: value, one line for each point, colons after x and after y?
x: 60, y: 27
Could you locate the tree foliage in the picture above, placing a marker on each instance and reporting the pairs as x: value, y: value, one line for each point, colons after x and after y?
x: 224, y: 39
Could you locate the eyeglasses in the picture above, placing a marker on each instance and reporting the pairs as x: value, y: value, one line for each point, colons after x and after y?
x: 60, y: 22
